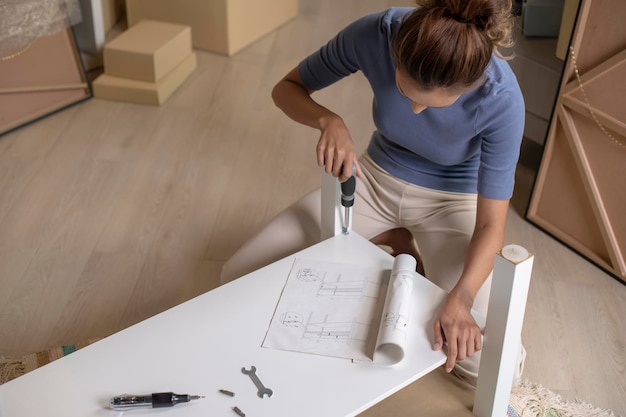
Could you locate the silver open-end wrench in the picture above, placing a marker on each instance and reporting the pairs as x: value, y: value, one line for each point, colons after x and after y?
x: 262, y: 391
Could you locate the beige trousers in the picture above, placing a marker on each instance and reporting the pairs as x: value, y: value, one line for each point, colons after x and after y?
x: 441, y: 223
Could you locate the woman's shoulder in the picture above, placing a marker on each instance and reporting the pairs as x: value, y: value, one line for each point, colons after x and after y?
x: 387, y: 21
x: 374, y: 30
x: 392, y: 18
x: 397, y: 14
x: 501, y: 99
x: 500, y: 79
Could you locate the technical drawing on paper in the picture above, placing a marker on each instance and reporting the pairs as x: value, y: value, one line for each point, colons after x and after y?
x: 327, y: 329
x: 329, y: 309
x: 325, y: 308
x: 342, y: 289
x: 396, y: 314
x: 338, y: 284
x: 307, y: 275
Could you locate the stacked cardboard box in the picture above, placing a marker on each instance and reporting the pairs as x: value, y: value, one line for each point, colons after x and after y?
x: 147, y: 63
x: 222, y: 26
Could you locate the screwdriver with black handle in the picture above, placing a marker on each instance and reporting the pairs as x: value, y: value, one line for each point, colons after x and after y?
x: 348, y: 188
x: 156, y: 400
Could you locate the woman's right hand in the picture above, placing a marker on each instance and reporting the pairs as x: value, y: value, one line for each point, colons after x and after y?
x: 335, y: 149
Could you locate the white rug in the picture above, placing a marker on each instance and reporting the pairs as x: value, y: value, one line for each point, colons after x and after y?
x: 532, y: 400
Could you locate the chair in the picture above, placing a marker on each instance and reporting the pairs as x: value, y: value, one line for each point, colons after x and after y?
x: 441, y: 394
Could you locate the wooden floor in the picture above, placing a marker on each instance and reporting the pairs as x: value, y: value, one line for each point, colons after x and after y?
x: 111, y: 212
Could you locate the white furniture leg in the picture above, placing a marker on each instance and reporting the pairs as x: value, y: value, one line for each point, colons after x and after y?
x: 332, y: 210
x: 503, y: 329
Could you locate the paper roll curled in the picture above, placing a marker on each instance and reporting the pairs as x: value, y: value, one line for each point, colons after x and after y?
x: 394, y: 324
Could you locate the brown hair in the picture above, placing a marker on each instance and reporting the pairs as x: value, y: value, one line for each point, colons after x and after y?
x: 448, y: 43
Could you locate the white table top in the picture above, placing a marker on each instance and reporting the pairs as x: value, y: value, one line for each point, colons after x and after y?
x: 200, y: 346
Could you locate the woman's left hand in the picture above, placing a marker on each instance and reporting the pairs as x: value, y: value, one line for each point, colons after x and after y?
x: 455, y: 328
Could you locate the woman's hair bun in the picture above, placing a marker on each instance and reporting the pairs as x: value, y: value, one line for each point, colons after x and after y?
x: 449, y: 43
x: 490, y: 16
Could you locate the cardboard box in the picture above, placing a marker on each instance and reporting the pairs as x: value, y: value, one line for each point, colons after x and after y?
x: 134, y: 91
x: 112, y: 11
x: 223, y: 26
x: 147, y: 51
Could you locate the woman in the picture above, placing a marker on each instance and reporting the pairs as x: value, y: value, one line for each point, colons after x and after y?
x: 449, y: 116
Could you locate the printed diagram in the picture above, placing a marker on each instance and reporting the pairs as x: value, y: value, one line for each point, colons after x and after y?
x: 307, y: 275
x: 291, y: 319
x: 325, y: 308
x: 326, y: 329
x: 342, y: 289
x: 396, y: 312
x: 331, y: 285
x: 332, y: 308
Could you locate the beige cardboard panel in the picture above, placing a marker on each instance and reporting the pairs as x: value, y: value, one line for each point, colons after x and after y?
x: 18, y: 109
x: 578, y: 196
x: 605, y: 159
x: 599, y: 34
x: 604, y: 91
x: 565, y: 206
x: 44, y: 78
x: 50, y: 60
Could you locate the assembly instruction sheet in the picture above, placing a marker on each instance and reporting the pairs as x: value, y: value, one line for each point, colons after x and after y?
x: 344, y: 310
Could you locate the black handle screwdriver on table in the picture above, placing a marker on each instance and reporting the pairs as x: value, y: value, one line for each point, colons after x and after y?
x: 348, y: 188
x: 156, y: 400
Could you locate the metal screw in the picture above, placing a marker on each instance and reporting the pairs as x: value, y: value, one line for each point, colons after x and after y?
x: 226, y: 392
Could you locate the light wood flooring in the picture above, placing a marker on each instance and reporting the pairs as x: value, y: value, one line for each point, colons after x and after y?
x: 112, y: 212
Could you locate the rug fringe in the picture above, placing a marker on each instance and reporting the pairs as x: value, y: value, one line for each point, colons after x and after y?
x: 10, y: 369
x: 533, y: 400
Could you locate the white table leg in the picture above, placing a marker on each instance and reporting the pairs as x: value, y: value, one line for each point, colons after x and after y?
x: 502, y: 340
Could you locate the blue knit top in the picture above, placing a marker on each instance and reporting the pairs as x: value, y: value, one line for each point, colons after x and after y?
x: 471, y: 146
